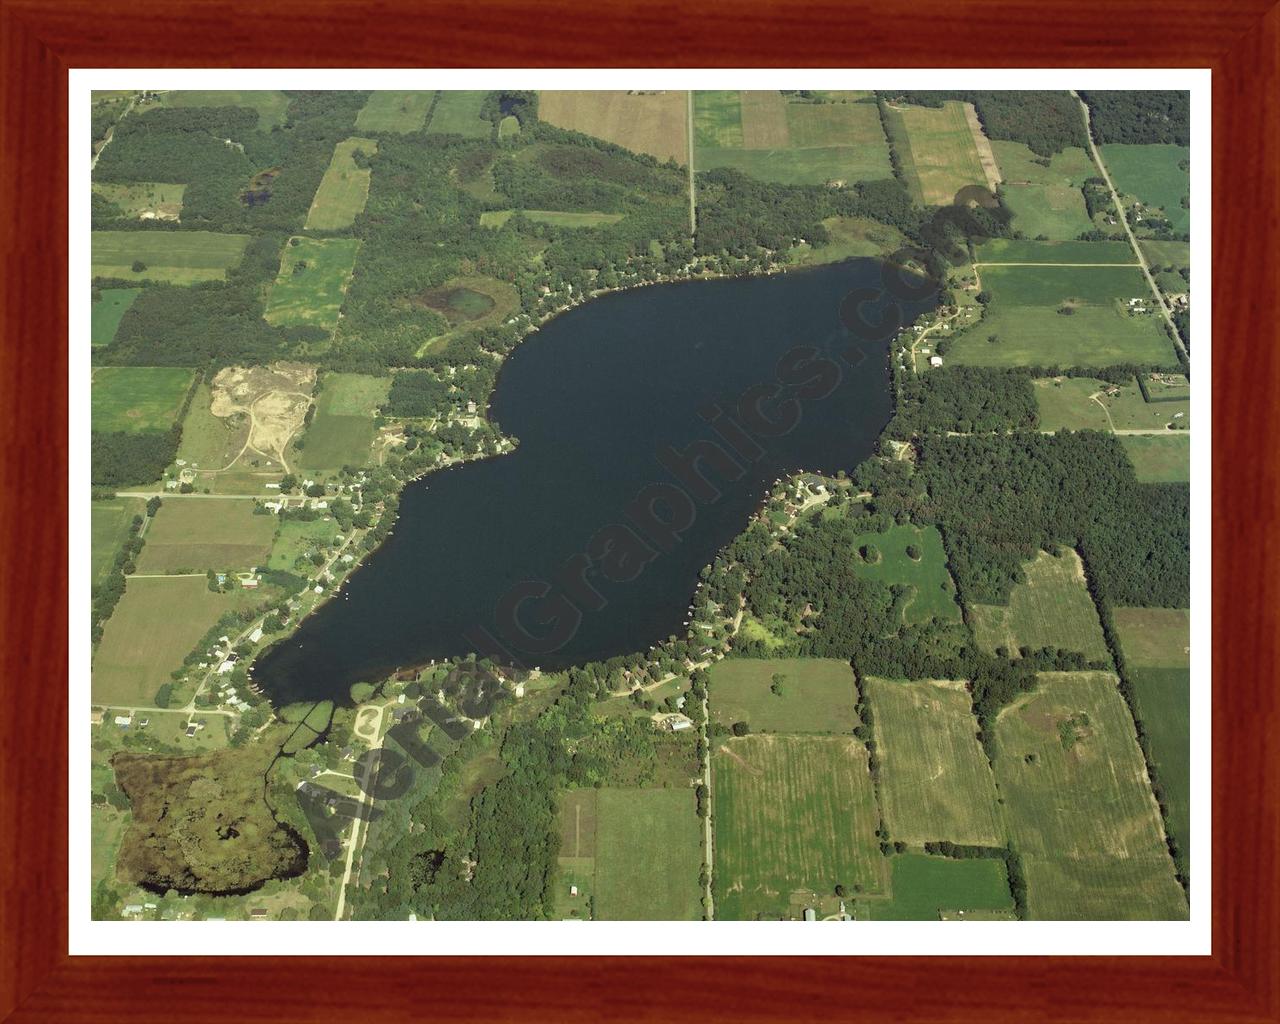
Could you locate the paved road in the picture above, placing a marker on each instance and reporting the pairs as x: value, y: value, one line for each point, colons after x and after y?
x: 1133, y: 241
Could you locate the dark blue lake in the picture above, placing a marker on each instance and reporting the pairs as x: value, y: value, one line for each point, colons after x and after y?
x: 586, y: 542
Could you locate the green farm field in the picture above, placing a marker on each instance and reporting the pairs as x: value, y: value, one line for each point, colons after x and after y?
x: 1153, y: 175
x: 928, y: 888
x: 342, y: 432
x: 457, y: 112
x: 195, y: 536
x: 1020, y: 166
x: 163, y: 201
x: 935, y: 592
x: 1158, y: 459
x: 107, y: 312
x: 1083, y: 403
x: 343, y: 190
x: 648, y: 854
x: 818, y: 694
x: 177, y: 257
x: 935, y: 782
x: 1051, y: 609
x: 393, y: 111
x: 1157, y: 648
x: 792, y: 813
x: 270, y: 104
x: 1166, y: 254
x: 1021, y: 250
x: 134, y: 657
x: 312, y: 283
x: 936, y: 150
x: 137, y: 398
x: 1079, y: 806
x: 1055, y: 211
x: 109, y: 522
x: 1024, y: 318
x: 556, y: 218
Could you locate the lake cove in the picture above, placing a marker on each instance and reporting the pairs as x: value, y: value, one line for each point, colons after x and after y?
x: 651, y: 423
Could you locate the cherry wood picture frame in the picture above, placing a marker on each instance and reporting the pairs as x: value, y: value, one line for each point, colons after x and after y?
x: 41, y: 39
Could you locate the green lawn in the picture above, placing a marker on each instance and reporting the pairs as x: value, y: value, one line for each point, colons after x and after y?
x: 792, y: 813
x: 1158, y: 459
x: 932, y: 888
x: 109, y: 522
x: 1063, y: 316
x: 270, y: 104
x: 295, y: 539
x: 1051, y: 609
x: 818, y: 694
x: 137, y: 398
x: 393, y: 111
x: 196, y: 536
x: 1156, y: 643
x: 178, y: 257
x: 556, y: 218
x: 312, y: 283
x: 935, y: 593
x: 1017, y: 250
x: 935, y: 782
x: 648, y: 853
x: 457, y: 112
x: 343, y: 190
x: 107, y: 312
x: 1055, y: 211
x: 1152, y: 174
x: 1079, y: 806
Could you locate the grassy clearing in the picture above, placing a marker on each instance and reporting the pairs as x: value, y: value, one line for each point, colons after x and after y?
x: 343, y: 190
x: 157, y: 199
x: 1160, y: 460
x: 792, y: 813
x: 178, y: 257
x: 457, y: 112
x: 1055, y: 211
x: 1020, y: 166
x: 1051, y: 609
x: 209, y: 441
x: 271, y: 105
x: 294, y: 540
x: 941, y: 157
x: 577, y: 861
x: 195, y: 536
x: 137, y: 398
x: 818, y: 694
x: 134, y: 657
x: 1152, y: 174
x: 850, y: 236
x: 1166, y: 254
x: 342, y: 431
x: 392, y: 111
x: 937, y: 888
x: 1083, y: 403
x: 556, y: 218
x: 935, y: 593
x: 109, y: 523
x: 1063, y: 316
x: 648, y: 853
x: 1016, y: 250
x: 1157, y: 649
x: 312, y: 283
x: 106, y: 313
x: 1079, y: 805
x: 935, y: 782
x: 653, y: 122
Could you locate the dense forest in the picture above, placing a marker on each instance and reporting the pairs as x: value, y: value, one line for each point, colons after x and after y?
x: 1046, y: 122
x: 1140, y: 116
x: 965, y: 399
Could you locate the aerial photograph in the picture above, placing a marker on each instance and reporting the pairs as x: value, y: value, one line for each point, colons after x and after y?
x: 639, y: 505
